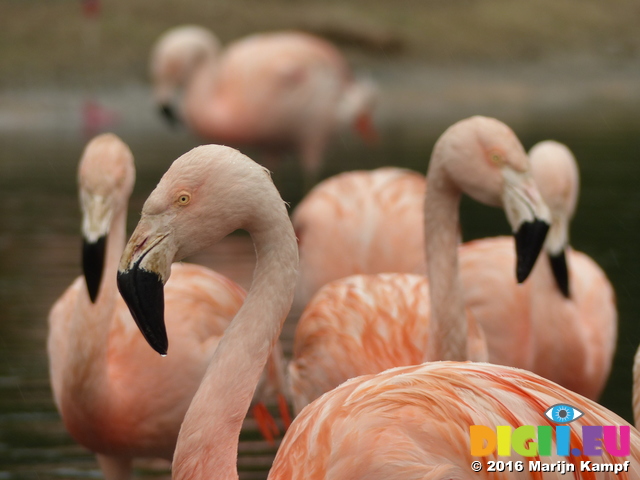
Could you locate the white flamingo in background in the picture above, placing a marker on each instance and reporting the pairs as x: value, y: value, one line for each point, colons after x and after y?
x: 281, y: 90
x: 116, y: 396
x: 406, y: 423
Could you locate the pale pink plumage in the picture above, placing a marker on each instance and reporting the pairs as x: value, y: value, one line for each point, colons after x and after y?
x: 360, y: 222
x: 413, y: 422
x: 548, y: 329
x: 274, y: 90
x: 578, y: 332
x: 363, y: 324
x: 530, y: 326
x: 116, y: 396
x: 405, y: 423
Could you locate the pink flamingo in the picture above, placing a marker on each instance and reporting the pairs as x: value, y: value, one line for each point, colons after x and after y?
x: 360, y: 222
x: 284, y: 90
x: 569, y: 320
x: 410, y: 422
x: 365, y: 324
x: 115, y: 395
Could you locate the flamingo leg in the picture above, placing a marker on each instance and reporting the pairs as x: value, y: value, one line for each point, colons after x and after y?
x: 266, y: 423
x: 115, y: 468
x: 283, y: 407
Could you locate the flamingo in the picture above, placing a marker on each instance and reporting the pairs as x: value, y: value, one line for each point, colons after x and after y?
x: 281, y: 90
x: 566, y: 313
x: 360, y: 222
x: 115, y: 395
x: 365, y: 324
x: 405, y: 423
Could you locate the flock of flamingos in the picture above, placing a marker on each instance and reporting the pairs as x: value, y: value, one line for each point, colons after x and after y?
x: 390, y: 367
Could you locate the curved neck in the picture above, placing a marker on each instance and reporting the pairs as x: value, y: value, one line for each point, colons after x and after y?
x: 208, y: 440
x: 448, y: 322
x: 91, y: 323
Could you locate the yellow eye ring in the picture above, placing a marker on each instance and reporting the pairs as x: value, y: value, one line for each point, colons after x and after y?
x: 496, y: 158
x: 184, y: 199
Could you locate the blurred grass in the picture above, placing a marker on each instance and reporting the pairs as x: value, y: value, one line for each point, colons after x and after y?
x: 44, y: 42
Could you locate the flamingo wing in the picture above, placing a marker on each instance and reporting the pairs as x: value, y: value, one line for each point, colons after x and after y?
x: 413, y: 423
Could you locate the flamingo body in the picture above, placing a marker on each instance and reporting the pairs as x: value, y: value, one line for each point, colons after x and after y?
x: 115, y: 395
x: 358, y: 223
x: 413, y: 423
x: 282, y: 90
x: 139, y: 414
x: 405, y: 423
x: 549, y: 329
x: 530, y: 326
x: 360, y: 325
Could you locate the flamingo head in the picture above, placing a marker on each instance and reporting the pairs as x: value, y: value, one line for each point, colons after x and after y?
x: 205, y: 195
x: 106, y: 176
x: 483, y: 158
x: 555, y: 171
x: 177, y: 54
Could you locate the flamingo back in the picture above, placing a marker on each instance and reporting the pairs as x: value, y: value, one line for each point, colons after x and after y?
x: 413, y: 423
x: 360, y: 325
x: 356, y: 223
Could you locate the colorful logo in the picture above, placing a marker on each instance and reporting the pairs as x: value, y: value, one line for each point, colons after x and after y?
x: 563, y: 413
x: 537, y: 441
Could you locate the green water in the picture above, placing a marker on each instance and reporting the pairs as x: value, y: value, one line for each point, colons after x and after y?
x: 39, y: 257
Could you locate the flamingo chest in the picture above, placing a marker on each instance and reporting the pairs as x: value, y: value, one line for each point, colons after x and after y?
x: 108, y: 429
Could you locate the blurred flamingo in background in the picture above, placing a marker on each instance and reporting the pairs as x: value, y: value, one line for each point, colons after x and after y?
x: 565, y: 315
x: 589, y: 310
x: 405, y: 423
x: 365, y: 324
x: 115, y: 395
x: 283, y: 90
x: 360, y: 222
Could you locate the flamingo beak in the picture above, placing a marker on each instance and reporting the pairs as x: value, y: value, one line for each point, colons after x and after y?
x: 142, y: 274
x: 97, y: 213
x: 169, y: 114
x: 529, y: 217
x: 560, y: 271
x: 529, y: 241
x: 93, y: 264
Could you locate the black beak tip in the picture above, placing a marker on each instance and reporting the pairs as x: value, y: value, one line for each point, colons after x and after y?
x: 169, y: 114
x: 93, y: 265
x: 560, y: 272
x: 529, y: 241
x: 143, y: 292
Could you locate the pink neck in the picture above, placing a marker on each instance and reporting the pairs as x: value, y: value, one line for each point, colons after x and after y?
x: 448, y: 322
x: 91, y: 323
x: 208, y: 440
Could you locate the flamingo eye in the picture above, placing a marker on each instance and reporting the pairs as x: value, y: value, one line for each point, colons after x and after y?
x: 184, y: 199
x: 496, y: 158
x: 563, y: 413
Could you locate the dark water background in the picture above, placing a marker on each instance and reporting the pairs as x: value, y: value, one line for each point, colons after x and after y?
x: 39, y: 257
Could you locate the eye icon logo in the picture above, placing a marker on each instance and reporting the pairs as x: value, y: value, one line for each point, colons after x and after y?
x: 563, y: 413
